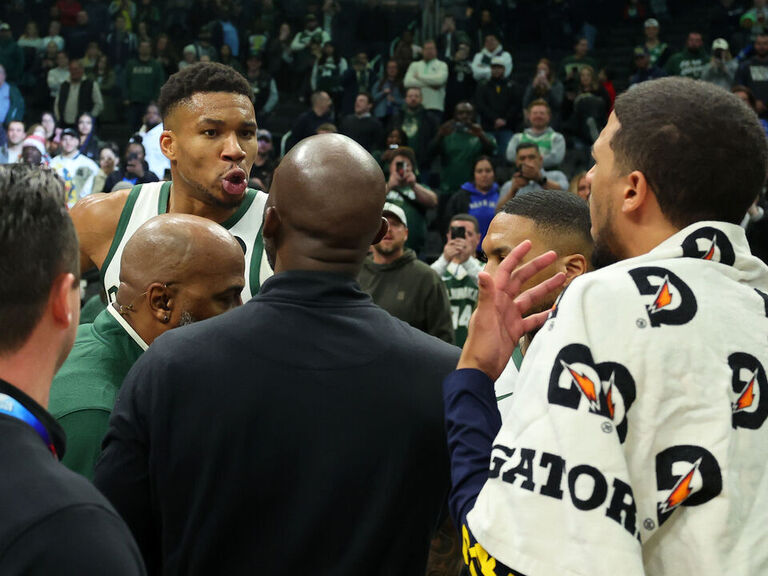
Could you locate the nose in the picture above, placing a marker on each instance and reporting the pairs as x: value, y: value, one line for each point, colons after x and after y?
x: 232, y: 150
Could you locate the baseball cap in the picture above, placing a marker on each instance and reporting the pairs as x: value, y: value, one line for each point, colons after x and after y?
x: 497, y: 61
x: 395, y: 211
x: 70, y: 132
x: 263, y: 134
x: 641, y: 51
x: 5, y: 26
x: 651, y: 23
x: 720, y: 44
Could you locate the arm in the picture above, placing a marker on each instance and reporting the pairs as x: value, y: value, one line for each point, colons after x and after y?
x: 95, y: 218
x: 424, y: 195
x: 438, y: 77
x: 122, y: 472
x: 512, y: 148
x: 410, y: 80
x: 98, y: 101
x: 439, y: 322
x: 313, y: 76
x: 273, y: 98
x: 479, y: 71
x: 557, y: 154
x: 556, y: 180
x: 56, y: 100
x: 85, y: 429
x: 298, y: 43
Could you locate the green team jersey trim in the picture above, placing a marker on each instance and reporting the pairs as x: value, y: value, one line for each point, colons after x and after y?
x: 122, y: 226
x: 258, y: 251
x: 250, y: 196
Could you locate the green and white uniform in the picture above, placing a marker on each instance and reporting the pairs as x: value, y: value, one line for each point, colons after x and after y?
x: 462, y: 292
x: 148, y: 200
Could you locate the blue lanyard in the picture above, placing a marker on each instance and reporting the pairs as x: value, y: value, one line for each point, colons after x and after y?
x: 15, y: 409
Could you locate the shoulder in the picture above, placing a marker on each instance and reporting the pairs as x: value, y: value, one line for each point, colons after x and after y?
x: 96, y: 217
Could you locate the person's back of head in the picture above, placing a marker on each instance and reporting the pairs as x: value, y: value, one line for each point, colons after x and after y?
x: 39, y: 260
x: 324, y: 206
x: 701, y: 149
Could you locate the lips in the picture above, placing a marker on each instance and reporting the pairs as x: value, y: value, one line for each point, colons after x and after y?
x: 234, y: 182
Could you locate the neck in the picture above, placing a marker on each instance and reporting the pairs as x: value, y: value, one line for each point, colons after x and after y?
x: 143, y: 323
x: 70, y: 154
x: 379, y: 258
x: 182, y: 201
x: 539, y: 130
x: 644, y: 237
x: 318, y: 112
x: 31, y: 369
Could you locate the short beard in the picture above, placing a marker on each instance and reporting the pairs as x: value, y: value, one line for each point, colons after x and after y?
x: 387, y: 251
x: 186, y: 318
x: 602, y: 254
x: 213, y: 200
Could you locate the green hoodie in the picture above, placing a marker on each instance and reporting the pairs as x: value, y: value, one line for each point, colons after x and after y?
x: 411, y: 291
x: 687, y: 64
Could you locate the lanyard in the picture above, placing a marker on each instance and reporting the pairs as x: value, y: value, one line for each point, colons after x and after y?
x: 16, y: 409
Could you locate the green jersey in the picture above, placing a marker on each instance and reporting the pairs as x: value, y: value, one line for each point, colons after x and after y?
x: 462, y: 293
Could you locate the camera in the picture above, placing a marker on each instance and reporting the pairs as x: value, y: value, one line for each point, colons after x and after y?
x: 460, y: 126
x: 132, y: 157
x: 458, y: 232
x: 718, y: 54
x: 401, y: 167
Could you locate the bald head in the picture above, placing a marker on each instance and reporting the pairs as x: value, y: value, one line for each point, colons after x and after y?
x: 324, y: 207
x: 176, y: 269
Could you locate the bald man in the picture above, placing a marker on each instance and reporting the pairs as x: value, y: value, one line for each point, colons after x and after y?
x: 328, y: 452
x: 175, y: 270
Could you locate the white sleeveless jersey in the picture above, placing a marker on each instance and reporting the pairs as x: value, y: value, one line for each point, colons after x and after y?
x: 148, y: 200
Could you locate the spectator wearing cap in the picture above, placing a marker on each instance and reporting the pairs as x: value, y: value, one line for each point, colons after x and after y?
x: 11, y: 54
x: 690, y: 61
x: 76, y: 96
x: 753, y: 73
x: 722, y: 67
x: 644, y: 70
x: 492, y: 49
x: 431, y: 75
x: 755, y: 19
x: 403, y: 285
x: 11, y: 101
x: 362, y: 126
x: 658, y: 51
x: 264, y: 163
x: 77, y: 170
x: 498, y: 104
x: 265, y: 95
x: 188, y: 56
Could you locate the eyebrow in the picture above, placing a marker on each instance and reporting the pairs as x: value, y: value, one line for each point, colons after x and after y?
x: 217, y: 122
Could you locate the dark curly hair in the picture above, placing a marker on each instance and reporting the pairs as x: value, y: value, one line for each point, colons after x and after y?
x: 201, y: 77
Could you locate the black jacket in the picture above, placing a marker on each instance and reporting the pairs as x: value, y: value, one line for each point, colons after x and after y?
x: 53, y: 521
x: 300, y: 432
x: 499, y: 98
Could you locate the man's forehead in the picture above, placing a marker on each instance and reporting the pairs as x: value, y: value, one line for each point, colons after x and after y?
x: 216, y: 104
x: 468, y: 224
x: 508, y: 230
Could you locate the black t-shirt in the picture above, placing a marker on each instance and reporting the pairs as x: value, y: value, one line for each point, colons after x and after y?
x: 53, y: 521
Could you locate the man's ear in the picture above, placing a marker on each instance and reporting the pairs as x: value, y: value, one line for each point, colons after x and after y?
x: 161, y: 301
x: 574, y: 266
x: 272, y: 222
x: 382, y: 231
x: 62, y: 304
x: 168, y: 144
x: 636, y: 192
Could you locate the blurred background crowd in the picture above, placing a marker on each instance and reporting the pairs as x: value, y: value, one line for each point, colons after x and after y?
x: 464, y: 102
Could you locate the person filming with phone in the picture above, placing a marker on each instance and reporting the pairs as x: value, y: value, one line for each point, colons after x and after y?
x: 404, y: 191
x: 722, y: 67
x: 530, y: 174
x: 136, y: 169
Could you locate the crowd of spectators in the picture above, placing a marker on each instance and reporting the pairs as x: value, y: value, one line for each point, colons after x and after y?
x: 448, y: 91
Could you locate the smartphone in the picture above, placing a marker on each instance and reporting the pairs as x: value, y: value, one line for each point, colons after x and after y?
x: 458, y: 232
